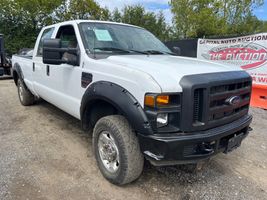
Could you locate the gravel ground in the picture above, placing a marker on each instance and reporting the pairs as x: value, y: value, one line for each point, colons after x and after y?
x: 45, y: 155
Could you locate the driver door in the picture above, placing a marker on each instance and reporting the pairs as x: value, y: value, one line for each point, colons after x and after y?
x: 64, y: 81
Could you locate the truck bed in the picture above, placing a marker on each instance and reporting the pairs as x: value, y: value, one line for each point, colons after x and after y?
x: 22, y: 56
x: 24, y: 62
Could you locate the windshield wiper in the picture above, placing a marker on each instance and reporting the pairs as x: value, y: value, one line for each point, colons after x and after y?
x: 150, y: 52
x: 111, y: 49
x: 158, y: 52
x: 122, y: 50
x: 147, y: 52
x: 141, y: 52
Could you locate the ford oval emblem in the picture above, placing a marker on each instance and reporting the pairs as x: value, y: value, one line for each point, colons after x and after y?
x: 234, y: 100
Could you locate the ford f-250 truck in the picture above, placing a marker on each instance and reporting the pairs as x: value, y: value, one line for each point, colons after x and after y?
x: 140, y: 100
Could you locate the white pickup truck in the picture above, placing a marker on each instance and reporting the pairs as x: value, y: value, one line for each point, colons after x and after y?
x: 140, y: 99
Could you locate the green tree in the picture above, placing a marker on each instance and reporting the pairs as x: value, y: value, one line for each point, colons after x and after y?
x: 264, y: 26
x: 239, y: 16
x: 137, y: 15
x: 81, y: 9
x: 21, y: 20
x: 116, y: 16
x: 198, y: 18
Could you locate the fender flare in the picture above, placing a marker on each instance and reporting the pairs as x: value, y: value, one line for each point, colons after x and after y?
x: 121, y: 99
x: 18, y: 70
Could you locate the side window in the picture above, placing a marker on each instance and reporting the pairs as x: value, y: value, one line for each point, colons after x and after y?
x: 46, y: 35
x: 67, y: 36
x: 68, y: 40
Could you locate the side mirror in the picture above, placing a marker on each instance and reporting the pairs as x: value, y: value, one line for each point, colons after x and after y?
x: 53, y: 53
x: 177, y: 50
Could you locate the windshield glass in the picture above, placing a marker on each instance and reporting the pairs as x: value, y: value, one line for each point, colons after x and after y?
x: 115, y: 38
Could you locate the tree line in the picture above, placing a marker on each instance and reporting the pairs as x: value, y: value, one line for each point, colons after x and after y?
x: 21, y: 20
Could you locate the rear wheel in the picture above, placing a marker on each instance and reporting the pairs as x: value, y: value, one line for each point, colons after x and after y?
x: 25, y: 96
x: 117, y: 150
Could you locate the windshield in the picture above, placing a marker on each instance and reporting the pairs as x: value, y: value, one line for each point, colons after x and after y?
x: 116, y: 39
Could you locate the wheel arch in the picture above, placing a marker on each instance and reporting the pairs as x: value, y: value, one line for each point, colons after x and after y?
x: 117, y: 101
x: 17, y: 73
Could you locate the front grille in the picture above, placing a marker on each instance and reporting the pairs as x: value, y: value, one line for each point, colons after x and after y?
x: 219, y: 107
x: 214, y: 109
x: 214, y: 99
x: 198, y: 106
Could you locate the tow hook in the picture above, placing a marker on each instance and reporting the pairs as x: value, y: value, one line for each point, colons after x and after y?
x: 250, y: 129
x: 206, y: 148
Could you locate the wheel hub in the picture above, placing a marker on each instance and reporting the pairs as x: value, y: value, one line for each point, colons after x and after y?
x: 108, y: 152
x: 20, y: 92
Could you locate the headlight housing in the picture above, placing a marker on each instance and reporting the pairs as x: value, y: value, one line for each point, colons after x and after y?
x: 162, y: 119
x: 163, y: 111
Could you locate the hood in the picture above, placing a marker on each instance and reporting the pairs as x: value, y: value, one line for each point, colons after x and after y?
x: 167, y: 70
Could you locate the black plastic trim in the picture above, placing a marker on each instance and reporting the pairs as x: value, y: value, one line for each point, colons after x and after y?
x: 169, y: 149
x: 17, y: 69
x: 86, y: 79
x: 48, y: 70
x: 121, y: 99
x: 205, y: 81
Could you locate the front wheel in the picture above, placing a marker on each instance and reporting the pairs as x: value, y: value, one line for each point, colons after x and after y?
x: 25, y: 96
x: 117, y: 150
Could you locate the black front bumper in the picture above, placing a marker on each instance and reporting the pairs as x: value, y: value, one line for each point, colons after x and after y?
x: 182, y: 148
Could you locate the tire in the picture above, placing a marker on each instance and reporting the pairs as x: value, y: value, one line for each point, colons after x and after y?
x: 26, y: 98
x: 121, y: 143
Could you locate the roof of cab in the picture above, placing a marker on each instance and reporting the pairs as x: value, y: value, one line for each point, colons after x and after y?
x: 82, y: 21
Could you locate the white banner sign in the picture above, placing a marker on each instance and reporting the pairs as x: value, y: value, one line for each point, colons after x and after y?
x: 247, y: 52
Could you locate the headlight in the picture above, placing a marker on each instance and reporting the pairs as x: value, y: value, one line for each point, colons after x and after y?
x: 162, y: 120
x: 163, y: 111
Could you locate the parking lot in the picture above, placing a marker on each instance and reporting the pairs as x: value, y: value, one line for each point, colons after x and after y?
x: 44, y: 154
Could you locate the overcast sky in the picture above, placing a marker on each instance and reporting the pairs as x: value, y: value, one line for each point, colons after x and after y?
x: 156, y: 5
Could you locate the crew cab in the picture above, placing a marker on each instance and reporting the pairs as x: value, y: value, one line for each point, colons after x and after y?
x: 139, y: 99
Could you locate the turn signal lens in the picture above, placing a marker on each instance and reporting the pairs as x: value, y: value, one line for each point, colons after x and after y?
x: 152, y: 100
x: 163, y: 100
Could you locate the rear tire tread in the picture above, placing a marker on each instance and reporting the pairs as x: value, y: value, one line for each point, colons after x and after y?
x: 28, y: 97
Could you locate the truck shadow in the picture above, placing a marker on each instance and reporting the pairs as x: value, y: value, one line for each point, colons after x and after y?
x: 67, y: 121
